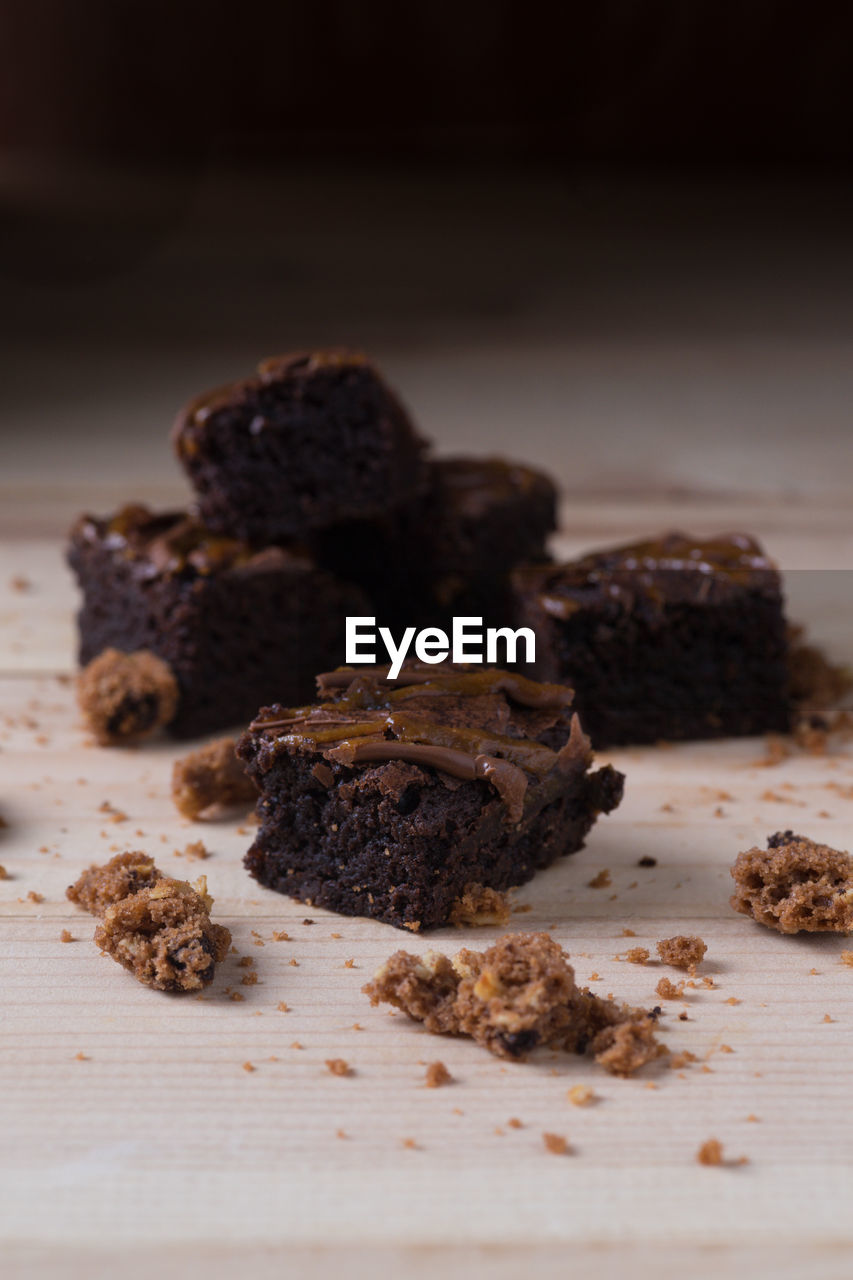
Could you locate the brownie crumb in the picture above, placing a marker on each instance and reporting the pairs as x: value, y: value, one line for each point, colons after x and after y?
x: 710, y: 1152
x: 581, y: 1095
x: 647, y: 861
x: 795, y: 885
x: 437, y: 1075
x: 517, y: 996
x: 126, y: 696
x: 669, y: 990
x: 164, y: 936
x: 196, y: 851
x: 66, y: 936
x: 211, y: 779
x: 125, y: 874
x: 816, y: 685
x: 556, y: 1144
x: 339, y: 1066
x: 479, y: 906
x: 682, y: 952
x: 600, y: 881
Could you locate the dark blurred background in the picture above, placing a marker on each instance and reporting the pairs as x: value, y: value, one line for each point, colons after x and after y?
x: 613, y: 238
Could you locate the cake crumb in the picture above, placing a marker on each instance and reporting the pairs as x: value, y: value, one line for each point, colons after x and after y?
x: 280, y: 936
x: 556, y: 1144
x: 283, y: 1007
x: 795, y: 885
x: 514, y: 1123
x: 66, y: 936
x: 350, y: 964
x: 247, y: 1066
x: 732, y: 1000
x: 600, y: 881
x: 581, y: 1095
x: 4, y: 874
x: 196, y: 851
x: 518, y: 995
x: 710, y: 1152
x: 628, y: 933
x: 99, y: 887
x: 125, y: 697
x: 236, y: 996
x: 163, y: 935
x: 81, y: 1057
x: 827, y: 1018
x: 847, y: 958
x: 210, y: 781
x: 33, y: 896
x: 479, y: 906
x: 437, y: 1075
x: 682, y: 951
x: 637, y: 955
x: 19, y: 583
x: 669, y: 990
x: 339, y: 1067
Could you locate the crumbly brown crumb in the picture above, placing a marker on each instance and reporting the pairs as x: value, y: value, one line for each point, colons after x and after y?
x: 669, y: 990
x: 816, y: 685
x: 196, y: 851
x: 518, y: 995
x: 514, y: 1123
x: 647, y: 861
x: 437, y: 1075
x: 66, y: 936
x: 280, y: 936
x: 19, y: 583
x: 4, y: 874
x: 846, y: 957
x: 125, y: 874
x: 795, y: 885
x: 247, y: 1066
x: 126, y: 696
x: 339, y: 1066
x: 600, y: 881
x: 479, y: 906
x: 637, y: 955
x: 682, y: 951
x: 211, y: 778
x: 581, y: 1095
x: 556, y: 1144
x: 164, y: 936
x: 710, y: 1152
x: 33, y: 896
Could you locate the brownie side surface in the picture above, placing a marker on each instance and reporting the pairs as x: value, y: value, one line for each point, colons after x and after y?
x: 676, y: 639
x: 233, y: 624
x: 312, y: 439
x: 451, y: 550
x: 368, y: 820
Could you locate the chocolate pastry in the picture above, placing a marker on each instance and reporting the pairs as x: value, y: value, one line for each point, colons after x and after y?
x: 312, y: 439
x: 391, y: 798
x: 668, y: 639
x: 236, y: 625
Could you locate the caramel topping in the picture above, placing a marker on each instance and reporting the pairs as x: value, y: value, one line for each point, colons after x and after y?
x: 173, y: 542
x: 368, y: 722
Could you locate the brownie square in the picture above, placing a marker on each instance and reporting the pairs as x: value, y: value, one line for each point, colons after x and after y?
x: 450, y: 551
x: 392, y: 799
x: 312, y: 439
x: 669, y: 639
x: 236, y: 625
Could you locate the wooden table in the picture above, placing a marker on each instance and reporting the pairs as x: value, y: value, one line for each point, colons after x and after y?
x: 134, y: 1139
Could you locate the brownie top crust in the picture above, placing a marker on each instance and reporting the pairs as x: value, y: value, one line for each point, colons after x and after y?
x: 472, y: 486
x: 300, y: 379
x: 671, y: 569
x: 176, y: 544
x: 487, y: 724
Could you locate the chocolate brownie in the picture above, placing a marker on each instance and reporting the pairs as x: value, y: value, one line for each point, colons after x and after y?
x: 312, y: 439
x: 235, y: 625
x: 451, y: 550
x: 669, y: 639
x: 389, y: 799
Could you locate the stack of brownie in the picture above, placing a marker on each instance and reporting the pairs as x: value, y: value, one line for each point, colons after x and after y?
x: 316, y: 498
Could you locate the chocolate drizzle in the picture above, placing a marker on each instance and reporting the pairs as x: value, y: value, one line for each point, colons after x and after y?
x: 369, y: 722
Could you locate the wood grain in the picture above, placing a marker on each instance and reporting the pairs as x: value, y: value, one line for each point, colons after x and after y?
x: 158, y: 1151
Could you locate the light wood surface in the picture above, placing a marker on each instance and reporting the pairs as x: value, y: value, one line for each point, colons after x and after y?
x: 157, y: 1152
